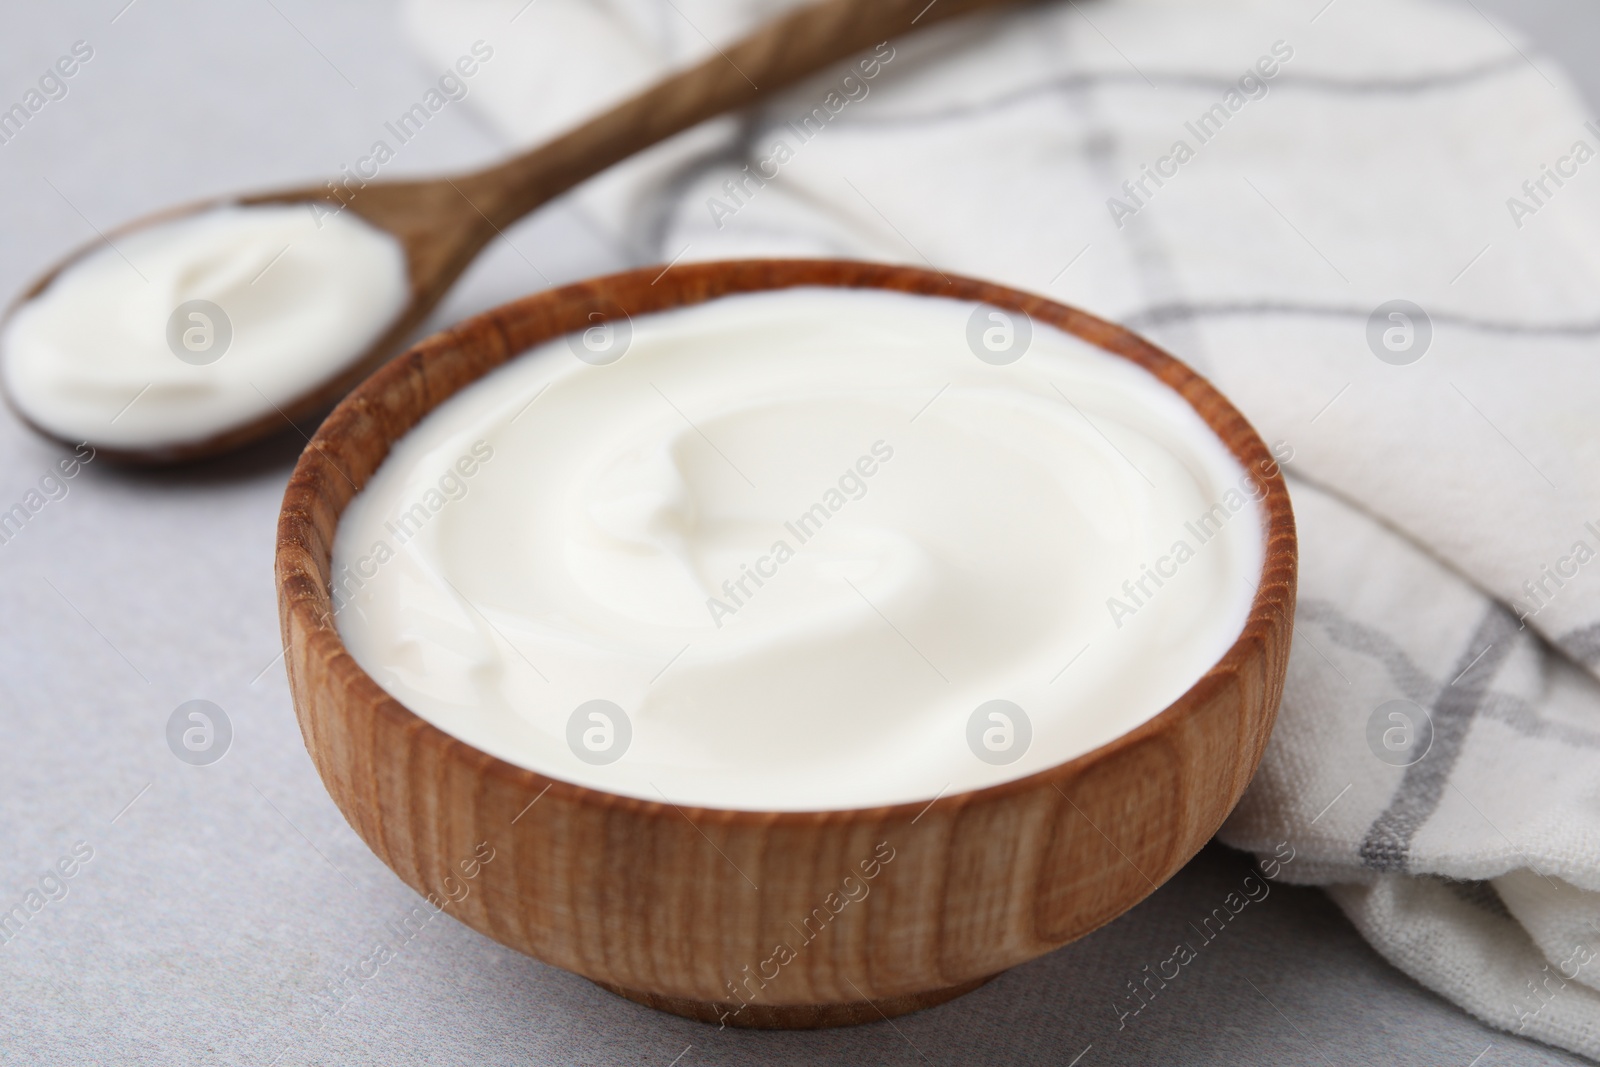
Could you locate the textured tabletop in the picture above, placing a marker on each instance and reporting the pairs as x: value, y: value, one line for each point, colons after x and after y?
x: 221, y: 909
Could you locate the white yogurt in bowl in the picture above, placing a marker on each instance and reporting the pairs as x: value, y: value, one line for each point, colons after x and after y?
x: 187, y: 329
x: 800, y: 550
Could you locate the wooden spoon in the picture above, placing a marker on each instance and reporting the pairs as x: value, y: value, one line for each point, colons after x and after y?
x: 443, y: 223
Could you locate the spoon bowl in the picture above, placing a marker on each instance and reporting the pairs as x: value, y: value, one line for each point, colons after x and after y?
x: 436, y: 252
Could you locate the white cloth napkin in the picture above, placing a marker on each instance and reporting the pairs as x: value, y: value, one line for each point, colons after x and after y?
x: 1443, y: 490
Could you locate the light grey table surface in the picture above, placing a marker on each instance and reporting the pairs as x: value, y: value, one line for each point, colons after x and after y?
x: 220, y: 900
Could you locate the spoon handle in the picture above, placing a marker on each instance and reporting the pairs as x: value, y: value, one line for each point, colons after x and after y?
x: 774, y: 57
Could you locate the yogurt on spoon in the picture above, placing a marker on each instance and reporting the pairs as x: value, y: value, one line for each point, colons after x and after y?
x: 182, y: 331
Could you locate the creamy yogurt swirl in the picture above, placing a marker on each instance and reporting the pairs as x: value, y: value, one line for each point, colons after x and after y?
x: 189, y: 328
x: 786, y: 550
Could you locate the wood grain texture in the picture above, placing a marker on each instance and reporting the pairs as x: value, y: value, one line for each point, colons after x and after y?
x: 684, y: 908
x: 443, y: 223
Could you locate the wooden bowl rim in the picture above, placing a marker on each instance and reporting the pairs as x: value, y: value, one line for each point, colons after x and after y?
x: 303, y: 595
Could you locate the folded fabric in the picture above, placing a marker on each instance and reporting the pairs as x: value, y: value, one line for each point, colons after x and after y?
x: 1374, y: 225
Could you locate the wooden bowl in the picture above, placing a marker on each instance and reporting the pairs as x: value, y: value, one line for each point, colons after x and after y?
x: 746, y: 917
